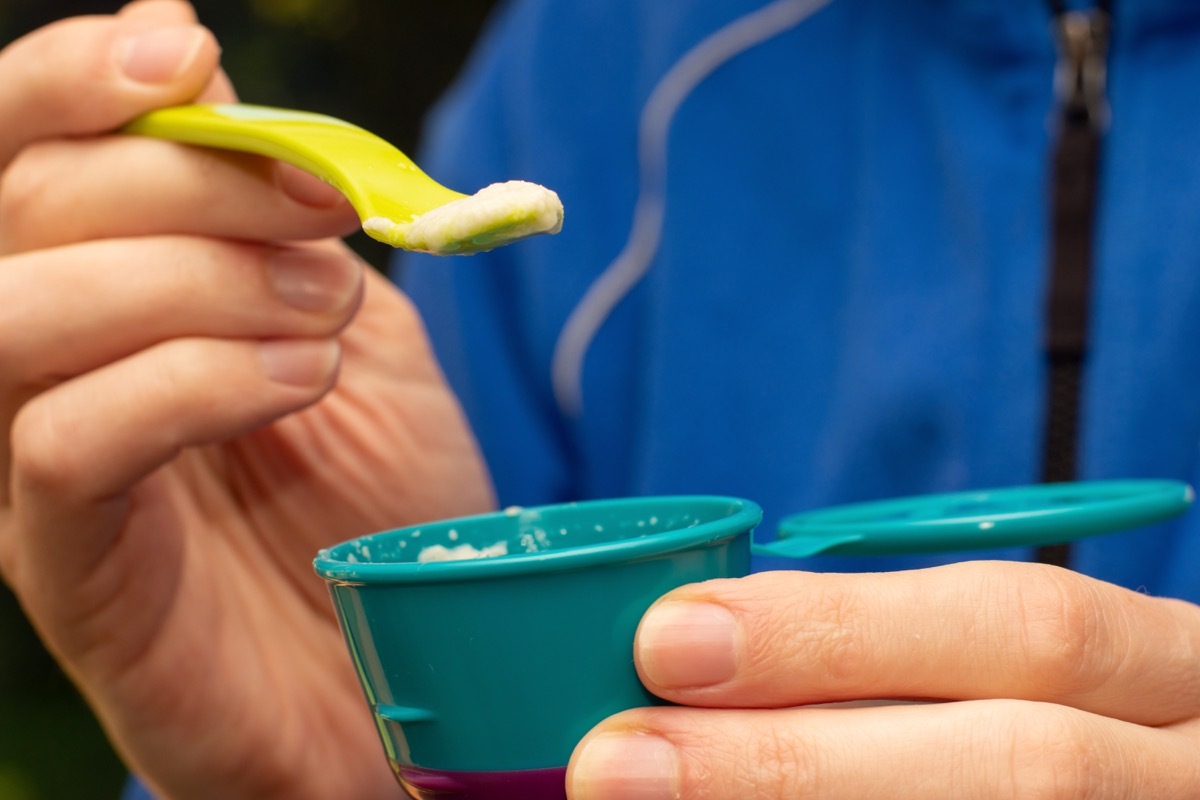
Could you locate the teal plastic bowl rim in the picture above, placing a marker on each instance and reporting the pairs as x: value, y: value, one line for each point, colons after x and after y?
x: 742, y: 517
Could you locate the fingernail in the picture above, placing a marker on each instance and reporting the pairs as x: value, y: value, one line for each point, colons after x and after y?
x: 161, y: 55
x: 626, y: 766
x: 307, y: 189
x: 301, y: 362
x: 688, y: 644
x: 312, y: 280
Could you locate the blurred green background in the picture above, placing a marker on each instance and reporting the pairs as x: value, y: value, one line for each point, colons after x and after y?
x: 377, y: 63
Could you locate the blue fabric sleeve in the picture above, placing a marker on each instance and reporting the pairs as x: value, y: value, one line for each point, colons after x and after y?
x: 134, y: 790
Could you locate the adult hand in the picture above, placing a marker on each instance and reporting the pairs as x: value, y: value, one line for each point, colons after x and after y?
x: 1056, y: 685
x: 175, y: 442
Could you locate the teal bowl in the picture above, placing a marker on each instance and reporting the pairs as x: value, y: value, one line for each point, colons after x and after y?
x: 488, y: 646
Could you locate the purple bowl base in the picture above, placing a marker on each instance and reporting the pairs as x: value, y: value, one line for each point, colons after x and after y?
x: 524, y: 784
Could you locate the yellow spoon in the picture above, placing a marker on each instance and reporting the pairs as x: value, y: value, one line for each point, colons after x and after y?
x: 398, y: 203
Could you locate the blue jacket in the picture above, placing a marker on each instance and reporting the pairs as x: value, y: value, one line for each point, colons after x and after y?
x: 843, y: 297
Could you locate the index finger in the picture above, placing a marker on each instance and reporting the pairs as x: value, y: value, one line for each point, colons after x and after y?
x: 962, y: 632
x: 90, y: 74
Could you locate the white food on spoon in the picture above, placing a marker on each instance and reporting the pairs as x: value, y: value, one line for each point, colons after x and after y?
x: 493, y: 216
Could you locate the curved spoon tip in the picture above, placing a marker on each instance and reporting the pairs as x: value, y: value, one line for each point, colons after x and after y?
x: 493, y: 216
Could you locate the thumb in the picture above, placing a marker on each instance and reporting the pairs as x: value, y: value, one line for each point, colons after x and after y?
x: 219, y: 88
x: 92, y: 74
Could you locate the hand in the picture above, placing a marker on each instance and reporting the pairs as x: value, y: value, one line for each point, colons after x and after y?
x: 1056, y: 685
x: 176, y: 442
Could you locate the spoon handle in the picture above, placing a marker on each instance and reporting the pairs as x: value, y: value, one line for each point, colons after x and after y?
x: 379, y: 180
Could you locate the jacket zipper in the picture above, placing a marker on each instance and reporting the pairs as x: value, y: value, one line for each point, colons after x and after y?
x: 1082, y: 119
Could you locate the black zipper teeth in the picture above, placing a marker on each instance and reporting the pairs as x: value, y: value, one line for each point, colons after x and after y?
x: 1080, y: 85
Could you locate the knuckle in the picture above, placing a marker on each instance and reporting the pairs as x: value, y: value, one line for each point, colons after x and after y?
x: 814, y: 633
x: 784, y: 765
x: 42, y: 456
x: 773, y: 763
x: 1053, y: 756
x: 841, y: 642
x: 831, y: 635
x: 182, y: 372
x: 1068, y: 637
x: 26, y: 182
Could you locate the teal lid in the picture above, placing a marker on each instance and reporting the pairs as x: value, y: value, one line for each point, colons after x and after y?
x: 1023, y: 516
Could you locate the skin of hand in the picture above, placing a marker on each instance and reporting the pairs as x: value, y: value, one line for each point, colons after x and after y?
x: 199, y: 388
x: 1035, y: 682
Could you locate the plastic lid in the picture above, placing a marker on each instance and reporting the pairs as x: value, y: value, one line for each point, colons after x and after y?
x: 1022, y: 516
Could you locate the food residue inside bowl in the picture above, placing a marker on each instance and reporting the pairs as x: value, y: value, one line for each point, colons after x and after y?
x: 462, y: 552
